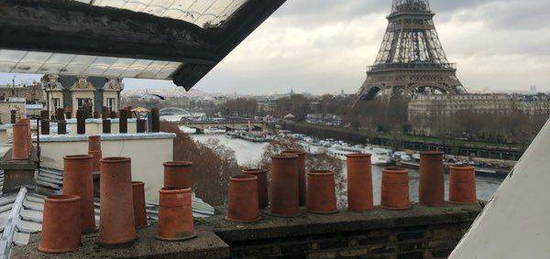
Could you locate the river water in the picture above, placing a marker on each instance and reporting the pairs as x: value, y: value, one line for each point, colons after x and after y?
x: 248, y: 153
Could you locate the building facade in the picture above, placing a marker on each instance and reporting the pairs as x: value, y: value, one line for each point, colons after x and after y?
x: 73, y: 93
x: 9, y: 104
x: 32, y: 93
x: 423, y: 110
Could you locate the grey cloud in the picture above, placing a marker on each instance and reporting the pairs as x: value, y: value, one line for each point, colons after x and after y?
x: 493, y: 38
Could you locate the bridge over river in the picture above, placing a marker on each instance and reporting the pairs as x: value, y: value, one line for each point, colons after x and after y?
x: 196, y: 120
x: 227, y: 125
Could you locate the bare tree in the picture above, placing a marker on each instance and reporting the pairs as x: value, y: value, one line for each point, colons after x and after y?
x: 213, y: 164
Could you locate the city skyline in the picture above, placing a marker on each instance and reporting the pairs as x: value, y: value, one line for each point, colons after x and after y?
x: 326, y: 48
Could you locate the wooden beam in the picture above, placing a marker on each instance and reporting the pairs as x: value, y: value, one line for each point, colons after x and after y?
x: 72, y: 27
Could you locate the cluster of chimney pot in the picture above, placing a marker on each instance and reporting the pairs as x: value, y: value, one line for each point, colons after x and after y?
x: 22, y: 131
x: 291, y: 188
x: 82, y: 115
x: 122, y: 203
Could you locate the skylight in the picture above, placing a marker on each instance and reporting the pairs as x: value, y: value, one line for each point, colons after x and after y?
x: 16, y: 61
x: 203, y: 13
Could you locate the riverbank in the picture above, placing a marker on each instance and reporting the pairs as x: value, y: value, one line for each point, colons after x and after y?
x: 248, y: 153
x: 478, y: 150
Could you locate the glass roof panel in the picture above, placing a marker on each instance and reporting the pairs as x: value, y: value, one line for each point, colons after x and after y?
x: 118, y: 68
x: 135, y: 68
x: 199, y: 12
x: 31, y: 62
x: 16, y: 61
x: 165, y: 72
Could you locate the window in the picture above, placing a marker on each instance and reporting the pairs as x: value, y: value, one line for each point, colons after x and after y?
x: 84, y: 102
x: 110, y: 103
x: 56, y: 103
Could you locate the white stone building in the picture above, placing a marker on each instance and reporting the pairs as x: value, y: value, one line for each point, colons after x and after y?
x: 423, y: 110
x: 72, y: 93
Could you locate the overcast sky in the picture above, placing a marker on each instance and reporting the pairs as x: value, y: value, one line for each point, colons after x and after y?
x: 324, y: 46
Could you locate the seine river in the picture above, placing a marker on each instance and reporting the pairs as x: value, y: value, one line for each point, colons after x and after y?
x: 247, y: 153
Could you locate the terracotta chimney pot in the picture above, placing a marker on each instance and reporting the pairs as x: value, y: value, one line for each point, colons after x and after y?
x: 19, y: 147
x: 78, y: 181
x: 285, y: 196
x: 175, y: 215
x: 242, y: 201
x: 117, y: 224
x: 140, y: 214
x: 359, y: 169
x: 301, y: 173
x: 321, y: 193
x: 395, y: 189
x: 261, y: 174
x: 178, y: 174
x: 431, y: 190
x: 60, y: 224
x: 462, y: 185
x: 96, y: 158
x: 94, y: 143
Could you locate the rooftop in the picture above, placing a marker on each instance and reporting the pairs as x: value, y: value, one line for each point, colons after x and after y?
x: 26, y: 212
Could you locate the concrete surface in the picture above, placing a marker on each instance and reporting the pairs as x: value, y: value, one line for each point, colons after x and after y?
x: 205, y: 245
x: 311, y: 224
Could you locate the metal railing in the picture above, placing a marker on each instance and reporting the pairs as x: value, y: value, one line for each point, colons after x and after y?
x: 412, y: 66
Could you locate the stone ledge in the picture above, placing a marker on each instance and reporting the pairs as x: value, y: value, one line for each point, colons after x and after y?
x: 6, y: 163
x: 205, y: 245
x: 105, y: 137
x: 18, y: 165
x: 310, y: 224
x: 96, y: 121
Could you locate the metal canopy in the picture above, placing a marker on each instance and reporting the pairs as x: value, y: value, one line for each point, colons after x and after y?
x: 180, y: 40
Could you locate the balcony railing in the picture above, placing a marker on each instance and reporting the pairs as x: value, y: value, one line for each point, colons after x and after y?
x: 412, y: 66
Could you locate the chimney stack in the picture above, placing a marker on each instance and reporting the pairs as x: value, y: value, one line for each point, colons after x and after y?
x: 44, y: 123
x: 123, y: 122
x: 106, y: 123
x: 62, y: 127
x: 81, y: 122
x: 45, y: 127
x: 155, y: 118
x: 59, y: 114
x: 68, y: 115
x: 13, y: 117
x: 141, y: 125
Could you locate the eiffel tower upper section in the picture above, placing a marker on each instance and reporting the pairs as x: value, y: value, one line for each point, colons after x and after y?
x: 411, y: 60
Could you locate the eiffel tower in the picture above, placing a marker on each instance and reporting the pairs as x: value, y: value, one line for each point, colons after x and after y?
x: 411, y: 60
